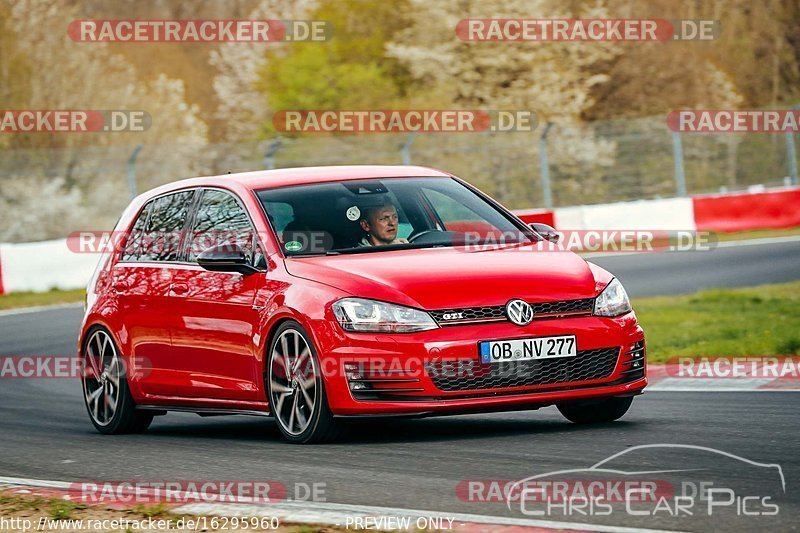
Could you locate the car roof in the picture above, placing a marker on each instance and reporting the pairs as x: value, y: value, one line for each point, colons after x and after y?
x: 267, y: 179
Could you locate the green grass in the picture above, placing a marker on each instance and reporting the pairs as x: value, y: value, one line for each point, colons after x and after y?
x: 755, y: 234
x: 63, y: 510
x: 13, y: 505
x: 32, y: 299
x: 754, y: 321
x: 152, y: 510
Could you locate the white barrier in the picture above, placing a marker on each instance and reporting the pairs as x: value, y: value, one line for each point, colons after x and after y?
x: 41, y: 266
x: 665, y: 214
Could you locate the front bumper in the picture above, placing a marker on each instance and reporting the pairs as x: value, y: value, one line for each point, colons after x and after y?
x: 440, y: 370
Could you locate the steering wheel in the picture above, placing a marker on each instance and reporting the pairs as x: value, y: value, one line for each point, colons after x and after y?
x: 417, y: 234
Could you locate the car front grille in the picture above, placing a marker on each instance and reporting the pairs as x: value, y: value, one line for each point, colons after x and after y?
x: 471, y: 374
x: 496, y: 313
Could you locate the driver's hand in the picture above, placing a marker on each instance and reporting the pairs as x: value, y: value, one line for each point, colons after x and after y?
x: 400, y: 241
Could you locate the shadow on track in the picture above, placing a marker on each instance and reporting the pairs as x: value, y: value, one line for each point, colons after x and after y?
x: 375, y: 431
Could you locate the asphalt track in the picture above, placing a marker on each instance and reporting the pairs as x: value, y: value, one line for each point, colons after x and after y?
x: 728, y: 265
x: 45, y: 432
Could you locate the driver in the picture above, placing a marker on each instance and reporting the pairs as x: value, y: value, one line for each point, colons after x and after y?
x: 380, y: 225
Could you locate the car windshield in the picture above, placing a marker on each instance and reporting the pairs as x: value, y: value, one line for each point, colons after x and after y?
x: 372, y: 215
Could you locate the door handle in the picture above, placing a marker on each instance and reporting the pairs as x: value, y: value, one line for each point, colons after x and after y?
x: 120, y: 285
x: 179, y: 288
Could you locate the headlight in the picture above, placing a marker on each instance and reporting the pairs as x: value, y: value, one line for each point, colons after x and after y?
x: 613, y: 301
x: 362, y: 315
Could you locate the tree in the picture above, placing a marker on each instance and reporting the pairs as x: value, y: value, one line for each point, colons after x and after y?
x: 554, y: 79
x: 242, y: 105
x: 46, y: 70
x: 349, y: 71
x: 88, y: 76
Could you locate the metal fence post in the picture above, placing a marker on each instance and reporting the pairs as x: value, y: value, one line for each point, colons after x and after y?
x: 132, y: 170
x: 269, y: 155
x: 680, y: 177
x: 405, y: 148
x: 790, y: 154
x: 544, y: 167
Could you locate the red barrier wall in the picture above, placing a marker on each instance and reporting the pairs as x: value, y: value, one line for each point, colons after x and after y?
x: 742, y: 212
x: 537, y: 215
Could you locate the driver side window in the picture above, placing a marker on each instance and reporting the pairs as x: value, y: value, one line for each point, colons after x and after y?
x: 449, y: 209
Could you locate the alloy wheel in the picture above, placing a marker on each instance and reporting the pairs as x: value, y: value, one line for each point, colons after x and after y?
x: 101, y: 379
x: 293, y: 382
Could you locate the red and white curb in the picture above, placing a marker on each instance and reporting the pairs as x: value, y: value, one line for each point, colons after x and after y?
x: 658, y: 379
x: 339, y: 514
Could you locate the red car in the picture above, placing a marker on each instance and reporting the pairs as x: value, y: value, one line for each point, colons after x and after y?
x: 315, y: 294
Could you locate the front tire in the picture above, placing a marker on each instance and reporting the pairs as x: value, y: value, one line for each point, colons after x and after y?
x: 295, y: 388
x: 596, y: 411
x: 105, y: 388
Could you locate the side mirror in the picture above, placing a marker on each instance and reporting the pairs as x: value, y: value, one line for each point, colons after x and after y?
x: 226, y: 258
x: 547, y: 232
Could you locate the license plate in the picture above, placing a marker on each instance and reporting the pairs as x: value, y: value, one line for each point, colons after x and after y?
x: 527, y: 349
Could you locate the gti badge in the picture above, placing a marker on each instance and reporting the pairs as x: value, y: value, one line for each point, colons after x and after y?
x: 519, y: 312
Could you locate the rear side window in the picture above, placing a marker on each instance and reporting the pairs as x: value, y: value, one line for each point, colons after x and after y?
x: 165, y: 227
x: 134, y: 241
x: 220, y: 220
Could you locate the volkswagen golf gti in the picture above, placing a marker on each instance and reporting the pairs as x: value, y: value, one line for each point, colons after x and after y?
x: 312, y: 295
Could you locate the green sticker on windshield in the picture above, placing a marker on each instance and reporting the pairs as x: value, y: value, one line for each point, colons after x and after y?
x: 293, y: 246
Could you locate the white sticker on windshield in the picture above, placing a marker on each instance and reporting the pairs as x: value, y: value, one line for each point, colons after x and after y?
x: 353, y: 213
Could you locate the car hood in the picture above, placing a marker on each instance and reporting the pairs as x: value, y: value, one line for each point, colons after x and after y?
x: 440, y: 278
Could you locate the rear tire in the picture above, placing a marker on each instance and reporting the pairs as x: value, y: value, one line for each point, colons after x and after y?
x: 296, y: 389
x: 105, y: 388
x: 596, y: 411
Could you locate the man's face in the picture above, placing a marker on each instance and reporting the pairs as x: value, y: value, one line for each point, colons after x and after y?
x: 381, y: 225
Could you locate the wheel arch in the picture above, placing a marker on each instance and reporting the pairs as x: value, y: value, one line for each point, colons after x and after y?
x: 90, y: 328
